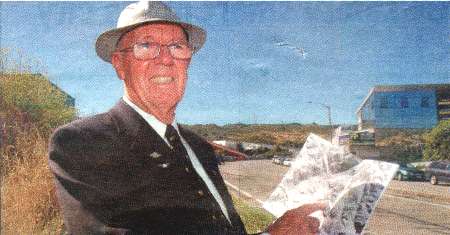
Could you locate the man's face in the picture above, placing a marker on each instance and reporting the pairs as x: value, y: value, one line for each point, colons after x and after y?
x: 156, y: 85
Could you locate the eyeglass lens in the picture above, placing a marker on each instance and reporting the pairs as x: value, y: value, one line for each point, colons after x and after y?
x: 150, y: 50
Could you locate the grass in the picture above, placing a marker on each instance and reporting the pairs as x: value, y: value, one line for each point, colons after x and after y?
x: 255, y: 219
x: 28, y: 203
x: 30, y: 108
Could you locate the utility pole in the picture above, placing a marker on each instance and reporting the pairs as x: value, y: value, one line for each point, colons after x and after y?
x: 329, y: 122
x: 329, y: 117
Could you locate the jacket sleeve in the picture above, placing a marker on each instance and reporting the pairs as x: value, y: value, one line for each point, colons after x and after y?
x: 70, y: 160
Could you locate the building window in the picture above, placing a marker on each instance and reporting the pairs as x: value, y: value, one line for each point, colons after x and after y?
x: 425, y: 102
x: 404, y: 102
x: 384, y: 102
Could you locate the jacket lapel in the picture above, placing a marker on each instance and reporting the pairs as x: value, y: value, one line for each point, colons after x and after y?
x: 198, y: 145
x: 136, y: 132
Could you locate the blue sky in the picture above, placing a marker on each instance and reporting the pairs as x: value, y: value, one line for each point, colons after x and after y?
x: 243, y: 74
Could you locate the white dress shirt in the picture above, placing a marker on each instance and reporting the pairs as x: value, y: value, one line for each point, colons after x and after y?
x: 160, y: 128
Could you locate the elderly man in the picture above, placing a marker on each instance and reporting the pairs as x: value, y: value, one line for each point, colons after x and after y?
x: 133, y: 170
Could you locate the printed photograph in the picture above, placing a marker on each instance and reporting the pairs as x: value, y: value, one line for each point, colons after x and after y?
x: 225, y: 117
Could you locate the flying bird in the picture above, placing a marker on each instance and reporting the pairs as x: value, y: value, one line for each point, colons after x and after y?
x: 290, y: 46
x: 281, y: 44
x: 302, y: 52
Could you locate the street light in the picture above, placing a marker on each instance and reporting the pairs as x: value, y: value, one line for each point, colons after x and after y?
x: 329, y: 117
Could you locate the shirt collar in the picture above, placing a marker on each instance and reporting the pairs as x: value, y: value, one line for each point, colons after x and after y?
x: 156, y: 124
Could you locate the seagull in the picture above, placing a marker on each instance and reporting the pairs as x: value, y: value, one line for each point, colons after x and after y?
x: 288, y: 45
x: 302, y: 52
x: 281, y: 44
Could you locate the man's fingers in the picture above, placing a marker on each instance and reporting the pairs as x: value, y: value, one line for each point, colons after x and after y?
x: 313, y: 224
x: 310, y: 208
x: 298, y: 221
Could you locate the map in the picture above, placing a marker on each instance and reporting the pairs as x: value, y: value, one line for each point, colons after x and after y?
x: 323, y: 172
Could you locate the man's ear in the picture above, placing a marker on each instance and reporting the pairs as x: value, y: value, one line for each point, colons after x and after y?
x: 116, y: 62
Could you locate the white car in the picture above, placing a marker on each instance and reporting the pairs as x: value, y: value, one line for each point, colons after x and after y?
x: 277, y: 160
x: 287, y: 162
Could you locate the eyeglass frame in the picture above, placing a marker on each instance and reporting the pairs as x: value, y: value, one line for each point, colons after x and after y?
x: 132, y: 48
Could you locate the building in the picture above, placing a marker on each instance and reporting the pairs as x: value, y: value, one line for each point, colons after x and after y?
x: 404, y: 107
x: 242, y: 146
x: 227, y: 143
x: 255, y: 146
x: 342, y: 134
x: 388, y: 110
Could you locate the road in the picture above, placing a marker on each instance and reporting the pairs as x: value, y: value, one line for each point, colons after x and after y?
x: 405, y: 208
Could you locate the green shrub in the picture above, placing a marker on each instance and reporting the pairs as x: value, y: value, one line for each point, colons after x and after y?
x: 36, y: 100
x: 437, y: 142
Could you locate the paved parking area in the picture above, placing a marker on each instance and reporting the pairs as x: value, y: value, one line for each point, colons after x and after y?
x: 405, y: 208
x: 421, y: 190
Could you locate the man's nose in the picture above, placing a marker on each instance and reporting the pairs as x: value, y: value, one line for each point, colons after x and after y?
x: 164, y: 56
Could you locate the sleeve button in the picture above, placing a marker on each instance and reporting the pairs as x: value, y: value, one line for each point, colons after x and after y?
x: 200, y: 192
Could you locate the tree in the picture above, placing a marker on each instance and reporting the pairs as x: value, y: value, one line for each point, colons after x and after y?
x: 437, y: 142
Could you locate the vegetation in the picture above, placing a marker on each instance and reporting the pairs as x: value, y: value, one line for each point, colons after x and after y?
x: 33, y: 99
x: 255, y: 219
x: 284, y: 135
x: 402, y: 138
x: 30, y: 108
x: 402, y: 146
x: 437, y: 142
x: 28, y: 199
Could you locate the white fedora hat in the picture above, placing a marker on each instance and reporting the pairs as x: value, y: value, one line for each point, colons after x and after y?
x: 140, y: 13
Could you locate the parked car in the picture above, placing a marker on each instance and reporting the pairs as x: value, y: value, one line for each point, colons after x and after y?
x: 282, y: 160
x: 228, y: 158
x: 407, y: 171
x: 278, y: 160
x: 287, y: 162
x: 260, y: 156
x: 438, y: 171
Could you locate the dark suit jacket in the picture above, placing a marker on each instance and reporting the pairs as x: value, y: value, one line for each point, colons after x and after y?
x: 115, y: 175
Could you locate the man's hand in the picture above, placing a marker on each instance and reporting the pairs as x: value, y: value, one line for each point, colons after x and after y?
x: 297, y: 221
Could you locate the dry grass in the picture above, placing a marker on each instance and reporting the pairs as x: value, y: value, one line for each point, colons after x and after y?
x: 401, y: 139
x: 28, y: 200
x: 30, y: 108
x: 293, y: 135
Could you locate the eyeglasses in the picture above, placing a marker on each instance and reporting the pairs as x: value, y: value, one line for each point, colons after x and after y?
x: 151, y: 50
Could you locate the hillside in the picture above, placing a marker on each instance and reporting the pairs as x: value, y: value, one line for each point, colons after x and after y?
x: 288, y: 135
x: 30, y: 108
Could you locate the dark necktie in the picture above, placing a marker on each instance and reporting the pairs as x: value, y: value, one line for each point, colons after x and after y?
x: 175, y: 141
